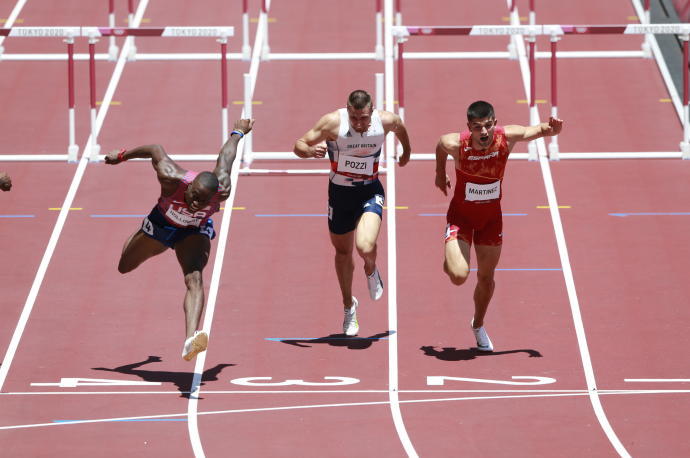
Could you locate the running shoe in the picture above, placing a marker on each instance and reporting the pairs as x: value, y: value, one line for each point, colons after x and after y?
x: 350, y: 324
x: 375, y: 285
x: 482, y: 338
x: 195, y: 345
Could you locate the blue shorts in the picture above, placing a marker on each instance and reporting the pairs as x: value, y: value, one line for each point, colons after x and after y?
x: 346, y: 204
x: 157, y: 227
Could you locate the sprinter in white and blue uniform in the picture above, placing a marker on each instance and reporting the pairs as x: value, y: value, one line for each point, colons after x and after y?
x: 352, y: 137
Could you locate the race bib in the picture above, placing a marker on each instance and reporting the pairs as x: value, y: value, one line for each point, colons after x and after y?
x: 474, y: 191
x: 183, y: 217
x: 356, y: 165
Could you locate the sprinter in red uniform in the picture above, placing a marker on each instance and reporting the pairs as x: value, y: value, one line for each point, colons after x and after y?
x: 181, y: 221
x: 480, y: 155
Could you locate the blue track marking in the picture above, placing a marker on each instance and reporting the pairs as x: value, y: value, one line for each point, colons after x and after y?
x: 444, y: 214
x: 287, y: 215
x: 17, y: 216
x: 130, y: 419
x: 623, y: 215
x: 117, y: 216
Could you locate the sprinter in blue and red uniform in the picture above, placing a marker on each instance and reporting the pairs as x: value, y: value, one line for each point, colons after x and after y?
x: 474, y: 215
x: 181, y: 221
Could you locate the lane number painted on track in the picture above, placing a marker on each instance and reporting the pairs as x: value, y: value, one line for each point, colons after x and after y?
x: 257, y: 381
x: 529, y: 380
x: 77, y: 382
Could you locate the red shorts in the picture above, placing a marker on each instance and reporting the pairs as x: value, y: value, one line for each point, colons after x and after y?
x: 481, y: 223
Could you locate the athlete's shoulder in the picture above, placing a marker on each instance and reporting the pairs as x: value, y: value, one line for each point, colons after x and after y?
x: 450, y: 142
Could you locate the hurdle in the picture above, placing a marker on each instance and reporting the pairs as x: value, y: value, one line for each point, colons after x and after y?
x: 556, y: 32
x: 377, y: 54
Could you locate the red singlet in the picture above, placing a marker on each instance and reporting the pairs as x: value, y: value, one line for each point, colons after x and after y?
x: 475, y: 210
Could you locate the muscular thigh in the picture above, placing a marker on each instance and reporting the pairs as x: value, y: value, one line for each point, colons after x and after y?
x: 192, y: 252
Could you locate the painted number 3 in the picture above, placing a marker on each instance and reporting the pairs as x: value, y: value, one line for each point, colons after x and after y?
x: 257, y: 381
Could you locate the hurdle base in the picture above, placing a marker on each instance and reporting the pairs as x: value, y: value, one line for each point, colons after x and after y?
x: 132, y: 55
x: 554, y: 151
x: 112, y: 53
x: 72, y: 153
x: 246, y: 53
x: 378, y: 52
x: 93, y: 153
x: 685, y: 150
x: 532, y: 151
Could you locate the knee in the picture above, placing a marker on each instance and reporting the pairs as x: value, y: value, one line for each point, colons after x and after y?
x: 193, y: 280
x: 486, y: 279
x: 366, y: 248
x: 456, y: 277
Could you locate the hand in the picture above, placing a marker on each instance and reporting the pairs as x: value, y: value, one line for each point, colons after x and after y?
x: 442, y: 182
x: 244, y: 125
x: 112, y: 157
x: 5, y: 181
x: 554, y: 128
x: 404, y: 158
x: 318, y: 151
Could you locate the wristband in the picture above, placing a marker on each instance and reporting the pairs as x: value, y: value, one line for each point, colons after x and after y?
x: 241, y: 134
x: 121, y: 155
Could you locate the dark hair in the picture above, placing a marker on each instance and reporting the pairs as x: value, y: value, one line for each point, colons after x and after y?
x: 359, y: 99
x: 208, y: 180
x: 480, y: 109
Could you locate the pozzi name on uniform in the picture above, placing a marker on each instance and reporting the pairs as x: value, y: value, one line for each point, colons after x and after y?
x: 362, y: 145
x: 479, y: 158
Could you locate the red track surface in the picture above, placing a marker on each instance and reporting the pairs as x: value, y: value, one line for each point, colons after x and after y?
x: 277, y: 279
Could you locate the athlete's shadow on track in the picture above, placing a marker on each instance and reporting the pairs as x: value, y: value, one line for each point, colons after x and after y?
x: 339, y: 340
x: 182, y: 380
x: 467, y: 354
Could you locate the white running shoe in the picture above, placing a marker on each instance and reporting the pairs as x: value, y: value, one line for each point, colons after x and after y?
x: 195, y: 345
x: 482, y: 338
x: 350, y: 324
x: 375, y: 285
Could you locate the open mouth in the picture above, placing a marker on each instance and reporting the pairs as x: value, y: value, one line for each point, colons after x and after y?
x: 484, y: 138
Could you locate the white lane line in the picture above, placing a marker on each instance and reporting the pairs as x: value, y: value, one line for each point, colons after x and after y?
x: 13, y: 17
x: 565, y: 259
x: 311, y: 406
x: 392, y: 243
x: 62, y: 217
x: 192, y: 406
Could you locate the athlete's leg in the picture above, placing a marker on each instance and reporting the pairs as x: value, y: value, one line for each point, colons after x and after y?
x: 367, y: 233
x: 456, y: 263
x: 487, y: 260
x: 192, y: 253
x: 138, y: 248
x: 344, y: 264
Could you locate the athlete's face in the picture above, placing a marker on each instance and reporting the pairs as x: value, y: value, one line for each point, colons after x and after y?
x: 197, y: 197
x: 482, y: 130
x: 360, y: 120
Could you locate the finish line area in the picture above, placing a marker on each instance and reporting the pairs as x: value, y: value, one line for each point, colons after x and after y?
x: 590, y: 289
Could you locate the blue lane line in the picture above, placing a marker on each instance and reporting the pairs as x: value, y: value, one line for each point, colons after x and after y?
x: 444, y: 214
x: 281, y: 339
x: 651, y: 214
x: 287, y: 215
x: 117, y: 216
x: 17, y: 216
x: 133, y: 419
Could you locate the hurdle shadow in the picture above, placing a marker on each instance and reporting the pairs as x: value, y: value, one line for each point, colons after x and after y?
x: 468, y: 354
x: 339, y: 340
x: 182, y: 380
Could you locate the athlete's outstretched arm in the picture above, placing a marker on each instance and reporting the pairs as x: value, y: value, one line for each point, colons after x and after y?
x: 447, y: 144
x: 311, y: 144
x: 166, y: 169
x: 516, y: 134
x: 5, y: 181
x: 393, y: 123
x: 228, y: 153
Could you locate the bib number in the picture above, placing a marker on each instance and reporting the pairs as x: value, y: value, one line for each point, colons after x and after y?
x: 356, y: 165
x: 475, y: 191
x: 147, y: 226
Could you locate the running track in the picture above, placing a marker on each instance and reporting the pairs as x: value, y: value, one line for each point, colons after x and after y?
x: 275, y: 302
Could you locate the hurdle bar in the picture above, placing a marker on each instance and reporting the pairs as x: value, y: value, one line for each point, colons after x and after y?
x: 266, y: 53
x: 402, y: 34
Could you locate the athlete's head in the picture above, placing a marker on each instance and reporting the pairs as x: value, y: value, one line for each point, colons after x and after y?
x: 359, y: 110
x: 201, y: 190
x: 481, y: 122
